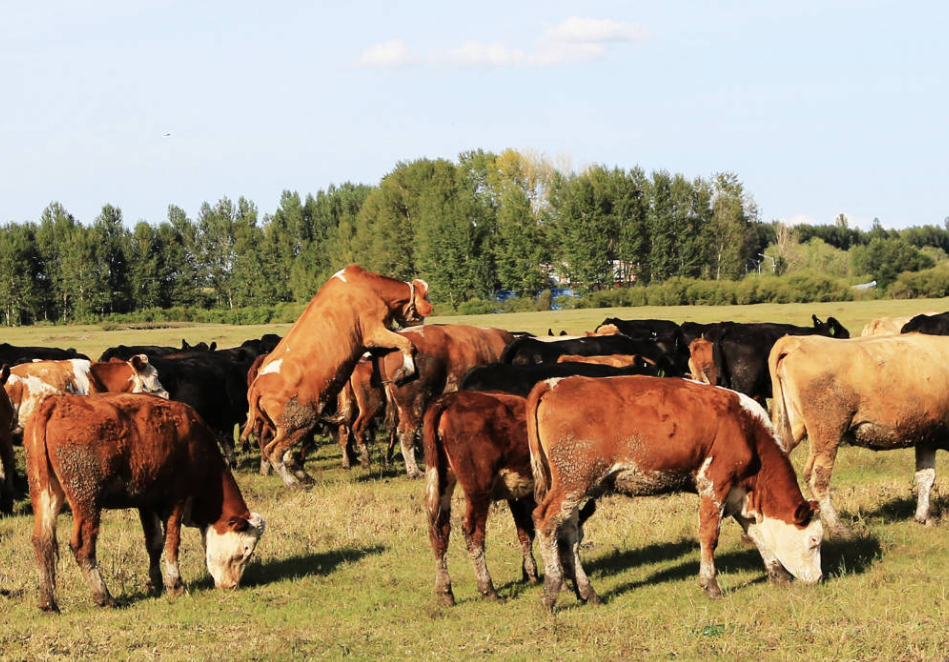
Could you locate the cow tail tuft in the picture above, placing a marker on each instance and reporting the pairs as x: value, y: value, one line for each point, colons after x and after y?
x: 436, y: 461
x: 779, y: 406
x: 253, y: 415
x: 539, y: 465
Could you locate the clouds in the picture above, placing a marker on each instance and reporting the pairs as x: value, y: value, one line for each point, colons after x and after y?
x: 574, y: 39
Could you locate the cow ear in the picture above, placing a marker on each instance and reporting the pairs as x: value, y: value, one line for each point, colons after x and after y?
x: 258, y: 522
x: 184, y: 344
x: 237, y: 524
x: 805, y: 512
x: 213, y: 346
x: 139, y: 361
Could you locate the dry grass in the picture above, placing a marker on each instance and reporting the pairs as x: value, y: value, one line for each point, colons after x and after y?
x: 345, y: 569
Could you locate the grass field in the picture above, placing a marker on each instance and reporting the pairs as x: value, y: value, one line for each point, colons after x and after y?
x: 345, y: 569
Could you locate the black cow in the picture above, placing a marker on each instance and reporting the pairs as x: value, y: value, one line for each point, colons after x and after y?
x: 14, y: 355
x: 934, y: 325
x: 646, y: 329
x: 125, y: 352
x: 530, y: 351
x: 520, y: 379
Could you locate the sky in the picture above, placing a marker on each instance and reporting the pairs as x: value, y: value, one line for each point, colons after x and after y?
x: 821, y: 107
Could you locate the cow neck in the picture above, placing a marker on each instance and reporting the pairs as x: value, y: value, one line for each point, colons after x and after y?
x: 775, y: 492
x: 109, y: 377
x: 221, y: 499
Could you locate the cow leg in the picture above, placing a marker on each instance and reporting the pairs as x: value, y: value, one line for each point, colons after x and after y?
x: 154, y: 542
x: 83, y: 543
x: 46, y: 506
x: 227, y: 446
x: 817, y: 471
x: 170, y: 570
x: 381, y: 337
x: 925, y: 477
x: 407, y: 442
x: 710, y: 524
x: 360, y: 432
x: 570, y: 559
x: 438, y: 506
x: 549, y: 517
x: 344, y: 436
x: 278, y: 453
x: 521, y: 511
x: 473, y: 528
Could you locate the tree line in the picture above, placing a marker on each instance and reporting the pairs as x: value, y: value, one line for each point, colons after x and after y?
x: 488, y: 222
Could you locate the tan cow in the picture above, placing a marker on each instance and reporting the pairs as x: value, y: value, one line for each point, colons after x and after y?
x: 879, y: 392
x: 351, y: 313
x: 644, y: 436
x: 121, y: 450
x: 31, y: 383
x: 615, y: 360
x: 888, y: 326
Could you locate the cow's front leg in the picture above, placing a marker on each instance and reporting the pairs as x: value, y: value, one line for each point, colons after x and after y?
x: 710, y: 524
x: 154, y: 542
x: 83, y: 543
x: 925, y: 477
x: 382, y: 338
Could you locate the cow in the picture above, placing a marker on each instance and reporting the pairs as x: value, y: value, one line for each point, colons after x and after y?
x: 114, y: 451
x: 615, y: 360
x: 125, y: 352
x: 888, y: 326
x: 30, y: 383
x: 350, y: 314
x: 520, y: 379
x: 704, y: 359
x: 646, y: 436
x: 358, y: 403
x: 878, y: 392
x: 477, y: 441
x: 643, y: 329
x: 7, y: 459
x: 13, y: 355
x: 443, y: 354
x: 934, y: 325
x: 530, y: 351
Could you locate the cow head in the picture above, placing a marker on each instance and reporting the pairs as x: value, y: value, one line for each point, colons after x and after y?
x: 145, y: 378
x: 229, y: 549
x: 795, y: 544
x: 418, y: 306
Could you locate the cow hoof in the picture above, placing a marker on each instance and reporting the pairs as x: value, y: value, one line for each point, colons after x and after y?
x: 107, y: 602
x: 414, y: 475
x: 447, y: 599
x: 50, y: 608
x: 929, y: 521
x: 490, y: 594
x: 549, y: 601
x: 593, y: 598
x: 713, y: 592
x: 842, y: 532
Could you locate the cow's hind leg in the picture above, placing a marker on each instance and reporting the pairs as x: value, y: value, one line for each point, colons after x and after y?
x: 85, y: 532
x: 46, y: 506
x: 473, y: 527
x: 344, y: 435
x: 925, y: 477
x: 710, y: 524
x: 521, y: 511
x: 438, y: 506
x: 154, y: 542
x: 817, y: 471
x: 277, y: 451
x: 549, y: 518
x: 569, y: 549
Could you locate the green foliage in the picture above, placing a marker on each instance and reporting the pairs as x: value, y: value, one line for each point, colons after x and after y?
x: 928, y: 283
x: 886, y: 258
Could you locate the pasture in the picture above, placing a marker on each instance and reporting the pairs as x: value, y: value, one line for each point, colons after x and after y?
x: 345, y: 568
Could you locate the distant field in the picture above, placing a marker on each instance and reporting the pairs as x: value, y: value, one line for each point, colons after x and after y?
x: 345, y: 569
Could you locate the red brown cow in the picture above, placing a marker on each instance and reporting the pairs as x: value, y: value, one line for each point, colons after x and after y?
x: 358, y: 404
x: 443, y: 354
x: 7, y: 460
x: 133, y: 451
x: 646, y: 436
x: 878, y: 392
x: 351, y: 313
x: 477, y: 440
x: 31, y: 383
x: 702, y: 365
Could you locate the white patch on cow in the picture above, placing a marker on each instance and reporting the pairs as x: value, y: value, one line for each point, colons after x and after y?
x: 80, y: 369
x: 272, y: 367
x: 703, y: 484
x: 341, y: 275
x: 798, y: 549
x: 751, y: 406
x: 415, y: 329
x: 552, y: 382
x: 408, y: 363
x: 516, y: 485
x: 229, y: 553
x: 431, y: 486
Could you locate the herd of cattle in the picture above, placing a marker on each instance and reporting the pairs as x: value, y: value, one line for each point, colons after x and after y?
x: 640, y: 407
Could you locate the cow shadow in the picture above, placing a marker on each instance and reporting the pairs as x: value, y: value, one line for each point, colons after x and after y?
x: 380, y: 472
x: 622, y: 559
x: 903, y: 509
x: 304, y: 565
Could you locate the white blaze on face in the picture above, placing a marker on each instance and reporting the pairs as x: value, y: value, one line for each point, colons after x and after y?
x: 229, y: 553
x: 273, y: 366
x: 798, y: 549
x: 146, y: 381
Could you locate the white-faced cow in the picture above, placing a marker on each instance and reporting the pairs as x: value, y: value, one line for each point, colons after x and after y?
x: 350, y: 314
x: 878, y: 392
x: 133, y: 451
x: 646, y: 436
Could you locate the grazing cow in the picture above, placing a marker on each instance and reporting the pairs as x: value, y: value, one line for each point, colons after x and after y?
x: 703, y: 366
x: 13, y: 355
x: 7, y: 459
x: 31, y: 383
x: 615, y: 360
x: 879, y: 392
x: 444, y: 353
x: 888, y: 326
x: 530, y: 351
x: 478, y: 441
x: 934, y: 325
x: 350, y: 314
x: 131, y: 451
x: 646, y: 436
x: 647, y: 329
x: 520, y: 379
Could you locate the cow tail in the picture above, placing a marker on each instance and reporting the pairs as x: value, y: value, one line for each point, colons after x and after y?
x: 39, y: 469
x: 436, y: 460
x: 253, y: 414
x: 780, y: 417
x: 539, y: 465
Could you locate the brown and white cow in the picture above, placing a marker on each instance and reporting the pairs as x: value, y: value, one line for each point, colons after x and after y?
x: 31, y: 383
x: 444, y: 353
x: 478, y: 441
x: 359, y: 402
x: 351, y: 313
x: 7, y: 459
x: 133, y: 451
x: 646, y: 436
x: 888, y: 326
x: 702, y: 364
x: 878, y: 392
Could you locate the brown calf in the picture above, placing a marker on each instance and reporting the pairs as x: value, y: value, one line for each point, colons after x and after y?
x: 133, y: 451
x: 702, y: 365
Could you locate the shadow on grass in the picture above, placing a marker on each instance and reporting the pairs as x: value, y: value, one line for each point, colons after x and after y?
x: 621, y: 559
x: 850, y: 557
x: 381, y: 472
x: 304, y: 565
x: 904, y: 508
